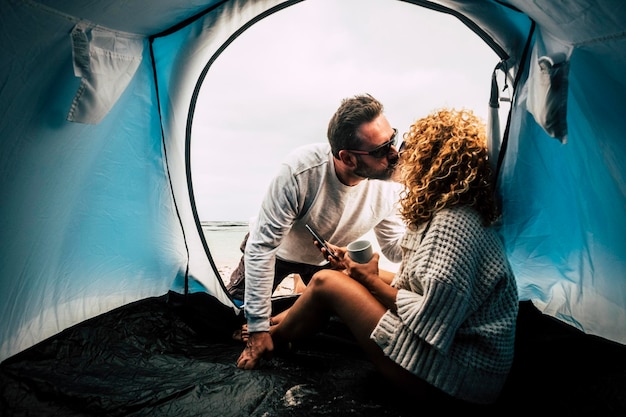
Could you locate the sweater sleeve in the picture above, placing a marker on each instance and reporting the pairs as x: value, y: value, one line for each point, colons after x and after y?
x: 444, y: 268
x: 434, y: 317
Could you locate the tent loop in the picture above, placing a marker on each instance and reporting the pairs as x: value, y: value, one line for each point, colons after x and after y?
x: 493, y: 125
x: 106, y: 61
x: 494, y: 138
x: 503, y: 66
x: 518, y: 77
x: 547, y: 95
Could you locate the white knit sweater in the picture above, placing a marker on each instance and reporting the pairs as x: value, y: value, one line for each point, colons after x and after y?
x: 457, y: 307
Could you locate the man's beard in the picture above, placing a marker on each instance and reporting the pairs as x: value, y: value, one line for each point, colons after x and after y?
x: 364, y: 171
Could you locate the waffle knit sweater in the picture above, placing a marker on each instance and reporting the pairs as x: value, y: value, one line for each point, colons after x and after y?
x: 457, y: 306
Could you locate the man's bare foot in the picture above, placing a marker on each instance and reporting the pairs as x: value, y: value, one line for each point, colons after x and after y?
x: 259, y: 345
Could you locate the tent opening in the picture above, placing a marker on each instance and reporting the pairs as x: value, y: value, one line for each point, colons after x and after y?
x: 277, y: 85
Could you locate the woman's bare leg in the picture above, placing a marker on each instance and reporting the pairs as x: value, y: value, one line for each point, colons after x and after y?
x: 333, y: 292
x: 330, y: 292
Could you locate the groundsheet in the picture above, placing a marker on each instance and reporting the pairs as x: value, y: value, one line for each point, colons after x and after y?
x: 173, y: 356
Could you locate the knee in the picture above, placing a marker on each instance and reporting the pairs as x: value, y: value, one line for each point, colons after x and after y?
x: 327, y: 281
x: 321, y: 278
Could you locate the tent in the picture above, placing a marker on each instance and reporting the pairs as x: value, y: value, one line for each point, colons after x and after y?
x: 98, y: 210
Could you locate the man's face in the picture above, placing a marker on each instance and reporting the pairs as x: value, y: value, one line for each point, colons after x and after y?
x: 377, y: 156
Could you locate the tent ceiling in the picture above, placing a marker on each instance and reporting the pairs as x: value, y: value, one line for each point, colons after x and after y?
x: 577, y: 22
x: 140, y: 17
x: 592, y: 19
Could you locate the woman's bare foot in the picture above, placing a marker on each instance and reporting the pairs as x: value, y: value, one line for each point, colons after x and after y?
x: 242, y: 334
x: 278, y: 317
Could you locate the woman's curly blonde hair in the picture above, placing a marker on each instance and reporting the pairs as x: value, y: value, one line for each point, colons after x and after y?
x: 445, y: 163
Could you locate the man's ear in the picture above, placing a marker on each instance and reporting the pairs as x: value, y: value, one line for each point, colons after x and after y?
x: 347, y: 158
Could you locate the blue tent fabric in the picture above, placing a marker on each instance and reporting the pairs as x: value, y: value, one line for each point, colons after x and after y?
x: 564, y: 207
x: 97, y: 211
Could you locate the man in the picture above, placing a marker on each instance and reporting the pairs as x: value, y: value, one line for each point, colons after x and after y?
x: 342, y: 191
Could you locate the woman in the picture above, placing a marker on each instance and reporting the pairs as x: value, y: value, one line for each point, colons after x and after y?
x: 445, y: 325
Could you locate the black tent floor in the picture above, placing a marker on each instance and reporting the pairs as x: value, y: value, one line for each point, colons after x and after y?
x: 173, y: 356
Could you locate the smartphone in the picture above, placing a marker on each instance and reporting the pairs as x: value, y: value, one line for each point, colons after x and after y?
x: 322, y: 242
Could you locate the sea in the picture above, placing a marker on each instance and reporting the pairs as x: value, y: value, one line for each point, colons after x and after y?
x: 224, y: 239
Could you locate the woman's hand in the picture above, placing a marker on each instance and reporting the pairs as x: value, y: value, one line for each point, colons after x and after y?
x: 363, y: 273
x: 369, y: 276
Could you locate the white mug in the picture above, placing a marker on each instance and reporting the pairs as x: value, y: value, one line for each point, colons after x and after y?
x: 360, y: 251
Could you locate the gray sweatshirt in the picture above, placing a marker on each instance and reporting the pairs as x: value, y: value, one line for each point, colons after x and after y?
x: 307, y: 190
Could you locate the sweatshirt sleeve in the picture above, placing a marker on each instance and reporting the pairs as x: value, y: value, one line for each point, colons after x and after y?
x: 389, y: 233
x: 277, y: 214
x: 391, y: 229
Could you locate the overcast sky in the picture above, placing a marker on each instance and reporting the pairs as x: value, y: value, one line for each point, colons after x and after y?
x: 277, y: 85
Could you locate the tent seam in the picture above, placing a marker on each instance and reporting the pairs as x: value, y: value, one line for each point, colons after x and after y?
x: 601, y: 39
x: 50, y: 10
x: 167, y: 167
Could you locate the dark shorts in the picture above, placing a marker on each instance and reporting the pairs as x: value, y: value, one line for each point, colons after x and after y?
x: 237, y: 284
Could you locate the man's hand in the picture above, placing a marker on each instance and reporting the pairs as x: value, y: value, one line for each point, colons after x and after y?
x: 259, y: 345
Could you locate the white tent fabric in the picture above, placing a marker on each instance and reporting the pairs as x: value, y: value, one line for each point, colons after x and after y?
x: 97, y: 100
x: 106, y: 62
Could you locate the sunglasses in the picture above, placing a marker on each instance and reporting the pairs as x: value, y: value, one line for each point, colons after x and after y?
x: 380, y: 151
x: 401, y: 148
